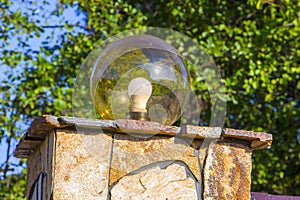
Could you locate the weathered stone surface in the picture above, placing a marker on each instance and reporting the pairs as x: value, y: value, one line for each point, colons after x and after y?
x: 84, y: 158
x: 145, y: 127
x: 156, y: 184
x: 87, y: 123
x: 44, y: 125
x: 40, y: 161
x: 131, y: 153
x: 259, y: 140
x: 200, y: 132
x: 82, y: 166
x: 34, y: 167
x: 227, y: 171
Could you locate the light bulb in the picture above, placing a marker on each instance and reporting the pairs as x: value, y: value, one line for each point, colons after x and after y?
x: 139, y: 77
x: 139, y: 90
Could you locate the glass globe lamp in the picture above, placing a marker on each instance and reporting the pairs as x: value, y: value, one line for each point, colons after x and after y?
x: 140, y: 77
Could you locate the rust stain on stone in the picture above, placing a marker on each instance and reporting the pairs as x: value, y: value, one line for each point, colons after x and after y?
x: 83, y: 161
x: 67, y: 178
x: 259, y: 140
x: 227, y: 171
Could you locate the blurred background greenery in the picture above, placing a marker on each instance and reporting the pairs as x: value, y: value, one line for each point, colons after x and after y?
x: 256, y: 44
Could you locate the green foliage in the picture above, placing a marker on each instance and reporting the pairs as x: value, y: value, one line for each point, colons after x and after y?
x: 13, y: 186
x: 255, y: 43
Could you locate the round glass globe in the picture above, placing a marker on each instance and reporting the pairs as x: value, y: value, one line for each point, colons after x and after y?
x: 136, y: 62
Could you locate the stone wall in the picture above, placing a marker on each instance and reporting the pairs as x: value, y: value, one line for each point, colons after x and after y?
x: 128, y: 159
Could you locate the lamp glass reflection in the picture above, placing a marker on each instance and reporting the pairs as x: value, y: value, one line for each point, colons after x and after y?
x: 143, y: 66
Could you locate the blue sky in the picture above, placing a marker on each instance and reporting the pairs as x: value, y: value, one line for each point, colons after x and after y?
x: 36, y: 10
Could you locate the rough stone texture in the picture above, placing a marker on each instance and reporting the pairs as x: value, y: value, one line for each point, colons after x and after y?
x: 259, y: 140
x: 227, y: 171
x: 34, y: 167
x: 85, y: 159
x: 40, y: 161
x: 42, y: 126
x: 199, y: 132
x: 81, y: 166
x: 131, y: 153
x: 157, y: 184
x: 145, y: 127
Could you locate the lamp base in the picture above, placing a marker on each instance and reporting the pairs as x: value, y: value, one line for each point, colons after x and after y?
x: 139, y: 116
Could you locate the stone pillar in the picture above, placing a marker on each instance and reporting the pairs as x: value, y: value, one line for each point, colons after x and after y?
x: 73, y: 158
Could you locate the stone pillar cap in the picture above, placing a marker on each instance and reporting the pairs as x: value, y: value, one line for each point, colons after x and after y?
x: 44, y: 125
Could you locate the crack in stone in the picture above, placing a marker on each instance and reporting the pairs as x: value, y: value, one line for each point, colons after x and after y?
x: 109, y: 170
x: 142, y: 185
x: 199, y: 186
x: 161, y: 165
x: 206, y: 144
